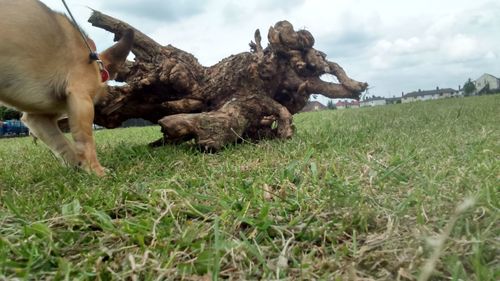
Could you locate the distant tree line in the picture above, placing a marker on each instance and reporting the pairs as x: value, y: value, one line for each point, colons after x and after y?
x: 8, y: 113
x: 331, y: 105
x: 469, y: 88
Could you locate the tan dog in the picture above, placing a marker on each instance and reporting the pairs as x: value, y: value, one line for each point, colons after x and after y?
x: 45, y: 71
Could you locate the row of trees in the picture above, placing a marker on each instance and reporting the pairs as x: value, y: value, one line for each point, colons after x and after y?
x: 469, y: 88
x: 8, y: 113
x: 331, y: 105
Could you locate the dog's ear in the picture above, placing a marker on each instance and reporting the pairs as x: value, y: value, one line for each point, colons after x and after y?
x: 114, y: 57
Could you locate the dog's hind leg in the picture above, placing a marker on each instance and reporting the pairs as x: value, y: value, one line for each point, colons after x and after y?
x: 81, y: 117
x: 45, y: 128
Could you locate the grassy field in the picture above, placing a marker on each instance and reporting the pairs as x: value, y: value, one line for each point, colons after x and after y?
x: 355, y: 195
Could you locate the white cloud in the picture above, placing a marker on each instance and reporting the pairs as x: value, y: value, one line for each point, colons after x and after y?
x: 490, y: 55
x: 380, y: 62
x: 461, y: 47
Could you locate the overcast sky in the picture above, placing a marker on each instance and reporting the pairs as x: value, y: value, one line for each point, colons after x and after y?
x: 396, y: 46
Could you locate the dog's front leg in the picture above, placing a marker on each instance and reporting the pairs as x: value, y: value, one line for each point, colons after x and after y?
x: 81, y: 117
x: 44, y: 127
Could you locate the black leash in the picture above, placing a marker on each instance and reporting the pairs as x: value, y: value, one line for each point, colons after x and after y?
x: 92, y: 55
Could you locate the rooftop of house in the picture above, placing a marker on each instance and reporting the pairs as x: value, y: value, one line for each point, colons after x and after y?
x: 393, y: 99
x: 437, y: 91
x: 312, y: 105
x: 487, y: 74
x: 344, y: 103
x: 372, y: 98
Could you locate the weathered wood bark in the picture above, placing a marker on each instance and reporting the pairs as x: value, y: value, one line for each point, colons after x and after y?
x: 249, y: 95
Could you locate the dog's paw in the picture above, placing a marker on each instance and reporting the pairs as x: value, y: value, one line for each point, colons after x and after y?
x: 96, y: 169
x: 100, y: 171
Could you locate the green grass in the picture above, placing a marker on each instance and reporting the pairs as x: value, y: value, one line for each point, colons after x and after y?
x: 355, y: 194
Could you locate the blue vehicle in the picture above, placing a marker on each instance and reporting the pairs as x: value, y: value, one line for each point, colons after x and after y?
x: 13, y: 128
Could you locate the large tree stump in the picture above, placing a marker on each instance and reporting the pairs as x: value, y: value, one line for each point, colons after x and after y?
x: 250, y: 95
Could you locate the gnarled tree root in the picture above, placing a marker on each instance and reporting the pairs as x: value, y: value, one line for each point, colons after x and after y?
x: 251, y: 95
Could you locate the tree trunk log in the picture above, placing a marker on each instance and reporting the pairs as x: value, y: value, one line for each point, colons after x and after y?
x: 251, y: 95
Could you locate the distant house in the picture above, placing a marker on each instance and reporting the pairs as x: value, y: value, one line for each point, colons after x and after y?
x: 313, y: 106
x: 347, y: 104
x: 429, y: 95
x: 393, y: 100
x: 486, y: 83
x: 373, y: 101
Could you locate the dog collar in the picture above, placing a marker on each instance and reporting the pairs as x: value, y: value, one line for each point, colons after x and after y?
x: 104, y: 72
